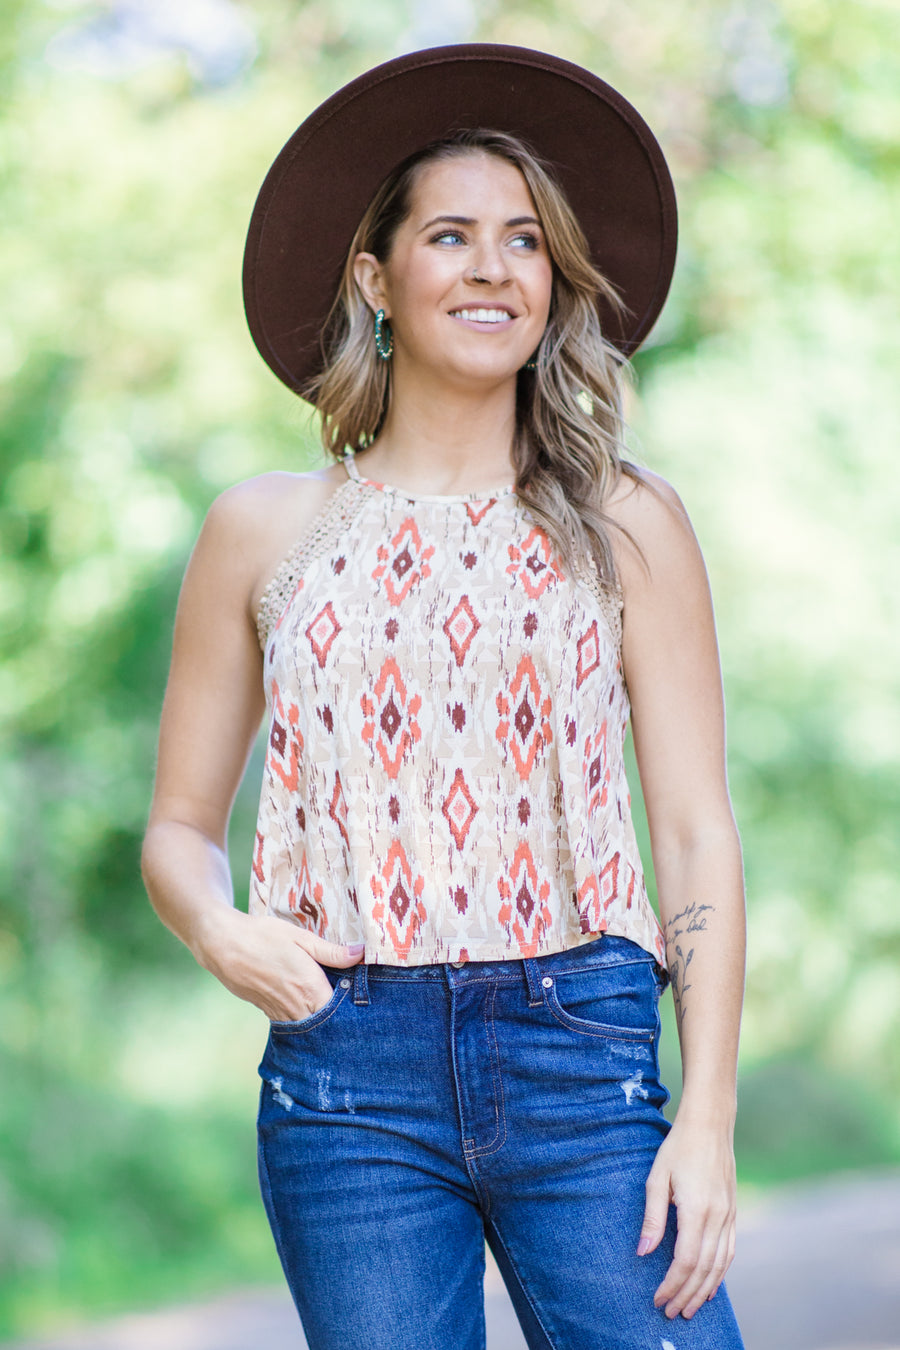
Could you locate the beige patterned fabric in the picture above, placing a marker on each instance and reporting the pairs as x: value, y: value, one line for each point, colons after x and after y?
x: 444, y: 777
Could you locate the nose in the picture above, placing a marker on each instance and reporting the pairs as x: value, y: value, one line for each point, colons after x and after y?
x: 489, y: 267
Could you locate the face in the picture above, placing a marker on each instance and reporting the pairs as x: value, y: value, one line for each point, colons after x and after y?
x: 471, y: 217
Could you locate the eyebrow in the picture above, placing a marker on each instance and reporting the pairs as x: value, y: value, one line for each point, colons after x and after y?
x: 469, y: 220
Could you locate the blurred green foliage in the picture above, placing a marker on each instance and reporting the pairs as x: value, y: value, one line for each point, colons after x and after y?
x: 131, y: 395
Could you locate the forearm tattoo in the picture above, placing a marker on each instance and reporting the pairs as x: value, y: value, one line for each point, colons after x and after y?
x: 681, y: 931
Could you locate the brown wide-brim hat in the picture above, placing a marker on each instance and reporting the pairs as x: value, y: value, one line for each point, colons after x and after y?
x: 600, y: 149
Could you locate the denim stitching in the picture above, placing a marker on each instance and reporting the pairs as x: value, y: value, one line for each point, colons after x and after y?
x: 316, y: 1019
x: 514, y: 977
x: 497, y: 1082
x: 638, y: 1035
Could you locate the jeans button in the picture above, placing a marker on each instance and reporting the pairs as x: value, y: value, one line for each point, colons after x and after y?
x: 345, y: 983
x: 546, y: 982
x: 457, y: 965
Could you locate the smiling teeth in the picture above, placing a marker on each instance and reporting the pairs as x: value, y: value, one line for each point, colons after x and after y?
x: 482, y: 315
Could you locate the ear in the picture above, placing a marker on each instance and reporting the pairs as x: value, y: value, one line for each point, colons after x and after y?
x: 369, y: 276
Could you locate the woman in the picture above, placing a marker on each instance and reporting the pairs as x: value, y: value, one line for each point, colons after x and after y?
x: 448, y: 928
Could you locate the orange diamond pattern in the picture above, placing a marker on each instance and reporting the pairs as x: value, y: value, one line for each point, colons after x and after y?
x: 477, y: 511
x: 404, y: 564
x: 588, y: 654
x: 391, y: 724
x: 595, y: 767
x: 322, y: 631
x: 524, y: 725
x: 398, y: 908
x: 524, y: 910
x: 285, y: 747
x: 459, y: 808
x: 460, y: 627
x: 305, y: 900
x: 534, y: 565
x: 597, y: 894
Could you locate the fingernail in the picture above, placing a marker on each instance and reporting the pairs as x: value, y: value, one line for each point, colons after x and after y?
x: 643, y: 1246
x: 355, y: 948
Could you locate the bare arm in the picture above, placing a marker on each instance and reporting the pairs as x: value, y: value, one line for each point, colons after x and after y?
x: 212, y: 710
x: 674, y: 682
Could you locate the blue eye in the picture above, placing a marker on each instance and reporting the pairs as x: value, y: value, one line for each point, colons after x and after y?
x: 447, y: 235
x: 530, y: 241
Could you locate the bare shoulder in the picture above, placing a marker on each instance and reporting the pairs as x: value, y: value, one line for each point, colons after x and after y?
x: 647, y: 502
x: 272, y: 499
x: 251, y: 527
x: 654, y: 537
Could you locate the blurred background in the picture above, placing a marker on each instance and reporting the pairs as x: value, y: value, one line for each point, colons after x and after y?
x: 133, y: 139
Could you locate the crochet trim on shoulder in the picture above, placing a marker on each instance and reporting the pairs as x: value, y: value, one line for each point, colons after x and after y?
x: 327, y: 526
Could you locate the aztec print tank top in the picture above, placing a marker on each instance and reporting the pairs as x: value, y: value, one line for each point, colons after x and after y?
x: 444, y: 776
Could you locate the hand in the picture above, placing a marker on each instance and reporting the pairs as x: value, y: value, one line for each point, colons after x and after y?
x: 272, y: 964
x: 694, y: 1170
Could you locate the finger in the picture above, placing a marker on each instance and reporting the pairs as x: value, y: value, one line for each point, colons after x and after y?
x: 699, y: 1252
x: 329, y: 953
x: 710, y: 1285
x: 681, y: 1270
x: 300, y: 999
x: 656, y: 1211
x: 728, y: 1256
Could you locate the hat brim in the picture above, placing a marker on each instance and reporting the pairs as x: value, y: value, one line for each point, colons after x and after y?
x: 602, y: 151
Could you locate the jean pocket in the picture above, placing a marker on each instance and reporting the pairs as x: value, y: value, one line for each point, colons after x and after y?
x: 615, y: 1001
x: 315, y: 1019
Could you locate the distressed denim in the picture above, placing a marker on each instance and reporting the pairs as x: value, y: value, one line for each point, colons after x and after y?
x: 425, y: 1109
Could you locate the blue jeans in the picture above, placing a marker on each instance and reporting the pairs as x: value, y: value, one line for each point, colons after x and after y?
x: 427, y: 1108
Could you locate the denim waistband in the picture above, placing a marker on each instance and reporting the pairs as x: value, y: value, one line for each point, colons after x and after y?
x: 607, y: 950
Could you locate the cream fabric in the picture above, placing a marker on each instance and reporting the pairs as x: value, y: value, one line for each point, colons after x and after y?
x: 444, y: 777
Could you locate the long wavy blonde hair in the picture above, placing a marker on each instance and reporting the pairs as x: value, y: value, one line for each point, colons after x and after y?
x: 568, y: 450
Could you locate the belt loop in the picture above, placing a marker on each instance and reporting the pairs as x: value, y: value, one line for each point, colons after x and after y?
x: 532, y: 975
x: 360, y: 985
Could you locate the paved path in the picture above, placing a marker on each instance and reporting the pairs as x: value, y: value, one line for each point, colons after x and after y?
x: 818, y: 1268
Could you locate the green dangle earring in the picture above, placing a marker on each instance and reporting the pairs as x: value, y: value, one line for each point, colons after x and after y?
x: 531, y: 363
x: 384, y: 338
